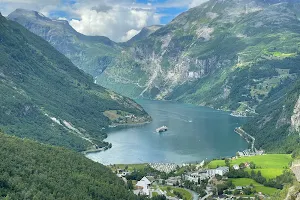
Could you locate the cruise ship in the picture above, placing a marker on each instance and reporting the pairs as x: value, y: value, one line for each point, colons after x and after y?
x: 162, y: 129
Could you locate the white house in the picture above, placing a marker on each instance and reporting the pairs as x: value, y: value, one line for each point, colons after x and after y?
x: 236, y: 167
x: 144, y: 186
x: 220, y: 171
x: 194, y: 177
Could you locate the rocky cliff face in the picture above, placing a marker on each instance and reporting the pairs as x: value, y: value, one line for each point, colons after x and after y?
x: 295, y: 119
x: 46, y: 98
x: 145, y: 32
x: 240, y: 55
x: 226, y: 54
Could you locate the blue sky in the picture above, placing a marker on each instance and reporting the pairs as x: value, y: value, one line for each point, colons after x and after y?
x: 117, y: 19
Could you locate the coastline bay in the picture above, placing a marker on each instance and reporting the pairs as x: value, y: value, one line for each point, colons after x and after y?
x: 195, y: 134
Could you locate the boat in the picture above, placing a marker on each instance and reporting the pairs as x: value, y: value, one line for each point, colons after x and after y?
x: 162, y: 129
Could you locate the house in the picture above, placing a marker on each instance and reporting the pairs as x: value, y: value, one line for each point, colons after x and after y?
x: 222, y: 170
x: 236, y: 167
x: 144, y: 186
x: 238, y: 187
x: 211, y: 173
x: 151, y: 179
x: 123, y: 174
x: 173, y: 180
x: 194, y: 177
x: 247, y: 165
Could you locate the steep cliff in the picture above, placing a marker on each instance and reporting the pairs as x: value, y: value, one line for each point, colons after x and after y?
x: 226, y: 54
x: 46, y: 98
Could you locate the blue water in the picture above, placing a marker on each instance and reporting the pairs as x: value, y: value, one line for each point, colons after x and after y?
x: 195, y: 134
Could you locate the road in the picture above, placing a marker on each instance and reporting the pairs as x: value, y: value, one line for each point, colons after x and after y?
x: 253, y: 139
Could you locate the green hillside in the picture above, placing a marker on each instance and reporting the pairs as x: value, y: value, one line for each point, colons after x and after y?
x: 270, y: 165
x: 46, y: 98
x: 237, y: 55
x: 233, y: 55
x: 90, y: 53
x: 273, y: 127
x: 30, y: 170
x: 224, y: 54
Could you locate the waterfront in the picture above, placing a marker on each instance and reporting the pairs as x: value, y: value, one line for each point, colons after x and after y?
x: 195, y: 134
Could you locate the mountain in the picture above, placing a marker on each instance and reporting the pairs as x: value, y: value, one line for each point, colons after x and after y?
x: 238, y: 55
x: 90, y: 53
x: 46, y: 98
x: 30, y: 170
x: 223, y: 54
x: 144, y: 33
x: 276, y: 127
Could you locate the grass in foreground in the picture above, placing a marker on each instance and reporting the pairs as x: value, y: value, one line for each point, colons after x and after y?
x: 130, y: 167
x: 258, y: 187
x: 154, y: 194
x: 270, y: 165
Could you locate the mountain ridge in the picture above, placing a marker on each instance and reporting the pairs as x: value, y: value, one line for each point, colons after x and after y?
x: 76, y: 46
x: 46, y: 98
x: 30, y: 170
x: 235, y: 55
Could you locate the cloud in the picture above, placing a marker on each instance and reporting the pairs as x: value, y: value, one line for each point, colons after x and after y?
x: 118, y: 23
x: 130, y: 34
x: 195, y: 3
x: 102, y: 8
x: 117, y: 19
x: 8, y: 6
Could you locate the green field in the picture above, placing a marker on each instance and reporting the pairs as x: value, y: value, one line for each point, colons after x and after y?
x: 258, y: 187
x: 270, y: 165
x: 186, y: 194
x: 131, y: 167
x: 216, y: 163
x: 154, y: 194
x: 268, y: 173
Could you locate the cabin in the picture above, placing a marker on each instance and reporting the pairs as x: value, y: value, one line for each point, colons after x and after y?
x: 143, y: 186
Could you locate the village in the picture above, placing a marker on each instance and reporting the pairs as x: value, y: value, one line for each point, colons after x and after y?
x: 191, y: 181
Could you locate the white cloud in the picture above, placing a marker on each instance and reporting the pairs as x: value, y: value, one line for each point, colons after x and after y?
x: 195, y: 3
x: 119, y: 23
x: 8, y: 6
x: 130, y: 34
x: 117, y: 19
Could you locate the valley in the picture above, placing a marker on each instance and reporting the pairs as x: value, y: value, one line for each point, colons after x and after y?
x: 223, y: 77
x: 46, y: 98
x: 238, y: 56
x: 192, y: 136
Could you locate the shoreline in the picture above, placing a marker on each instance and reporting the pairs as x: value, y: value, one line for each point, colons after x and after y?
x: 242, y: 133
x: 94, y: 150
x: 129, y: 125
x: 112, y: 126
x: 242, y: 114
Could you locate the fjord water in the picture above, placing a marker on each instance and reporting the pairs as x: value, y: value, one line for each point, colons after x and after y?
x: 195, y: 133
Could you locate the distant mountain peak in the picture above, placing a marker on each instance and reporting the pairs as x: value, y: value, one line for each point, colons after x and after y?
x: 76, y: 46
x: 28, y: 13
x: 145, y: 32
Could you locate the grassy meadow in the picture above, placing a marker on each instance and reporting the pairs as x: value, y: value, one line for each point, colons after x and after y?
x: 270, y: 165
x: 258, y: 187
